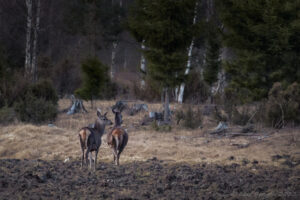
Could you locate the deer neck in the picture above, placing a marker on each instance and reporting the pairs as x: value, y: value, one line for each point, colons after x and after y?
x: 99, y: 126
x: 118, y: 118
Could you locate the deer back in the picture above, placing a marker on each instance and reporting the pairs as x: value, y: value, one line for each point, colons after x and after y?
x: 94, y: 138
x: 116, y: 133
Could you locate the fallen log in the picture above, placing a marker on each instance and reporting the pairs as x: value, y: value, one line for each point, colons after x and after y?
x: 221, y: 128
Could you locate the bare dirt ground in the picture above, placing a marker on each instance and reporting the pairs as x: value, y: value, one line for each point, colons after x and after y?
x: 43, y: 162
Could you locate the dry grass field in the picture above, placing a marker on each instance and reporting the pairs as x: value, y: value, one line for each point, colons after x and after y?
x: 43, y: 162
x: 180, y: 145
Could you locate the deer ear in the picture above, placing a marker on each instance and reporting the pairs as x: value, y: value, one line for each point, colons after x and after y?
x: 98, y: 112
x: 105, y: 114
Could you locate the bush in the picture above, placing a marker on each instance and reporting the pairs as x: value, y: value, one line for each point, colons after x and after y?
x: 283, y: 105
x: 109, y: 91
x: 12, y: 85
x: 237, y: 106
x: 95, y: 75
x: 150, y: 93
x: 190, y: 118
x: 96, y: 82
x: 38, y: 103
x: 7, y: 115
x: 220, y: 115
x: 240, y: 117
x: 196, y: 90
x: 161, y: 127
x: 66, y: 77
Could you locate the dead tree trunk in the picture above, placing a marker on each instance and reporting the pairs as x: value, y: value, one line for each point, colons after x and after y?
x: 167, y: 107
x: 76, y: 106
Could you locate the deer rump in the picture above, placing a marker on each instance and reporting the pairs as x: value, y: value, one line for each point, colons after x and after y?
x: 117, y: 139
x: 88, y: 139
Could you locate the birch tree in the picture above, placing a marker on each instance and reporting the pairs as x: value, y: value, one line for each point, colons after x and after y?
x: 114, y: 32
x: 35, y: 41
x: 158, y: 22
x: 143, y: 65
x: 32, y: 31
x: 213, y: 73
x: 111, y: 15
x: 28, y: 39
x: 113, y: 59
x: 179, y: 96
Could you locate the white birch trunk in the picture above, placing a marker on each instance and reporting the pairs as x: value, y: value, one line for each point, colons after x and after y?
x: 35, y: 41
x: 28, y: 38
x: 187, y: 70
x: 143, y: 65
x: 114, y: 49
x: 179, y: 95
x: 113, y: 60
x: 221, y: 83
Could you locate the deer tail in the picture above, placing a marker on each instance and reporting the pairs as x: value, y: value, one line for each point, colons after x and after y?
x: 117, y: 142
x: 83, y: 136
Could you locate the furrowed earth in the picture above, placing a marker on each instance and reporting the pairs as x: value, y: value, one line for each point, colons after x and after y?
x: 43, y: 162
x: 152, y: 179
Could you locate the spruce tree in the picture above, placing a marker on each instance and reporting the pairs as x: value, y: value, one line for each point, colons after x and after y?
x: 94, y: 77
x: 212, y: 58
x: 167, y: 28
x: 265, y: 36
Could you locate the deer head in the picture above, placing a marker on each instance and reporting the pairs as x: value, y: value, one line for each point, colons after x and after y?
x: 102, y: 119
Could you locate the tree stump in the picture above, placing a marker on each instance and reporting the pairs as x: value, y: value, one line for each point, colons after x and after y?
x: 76, y: 106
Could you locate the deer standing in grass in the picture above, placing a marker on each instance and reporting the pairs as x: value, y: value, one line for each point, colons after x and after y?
x: 117, y: 139
x: 90, y: 138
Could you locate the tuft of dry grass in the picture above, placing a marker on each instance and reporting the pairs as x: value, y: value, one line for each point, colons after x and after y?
x: 180, y: 145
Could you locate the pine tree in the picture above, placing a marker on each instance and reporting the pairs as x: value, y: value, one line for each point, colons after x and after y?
x: 265, y: 36
x: 167, y: 28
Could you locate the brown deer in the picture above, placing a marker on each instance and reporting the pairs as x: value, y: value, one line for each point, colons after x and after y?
x: 117, y: 139
x: 90, y: 138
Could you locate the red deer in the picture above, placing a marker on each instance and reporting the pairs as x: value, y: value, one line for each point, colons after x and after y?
x: 117, y: 139
x: 90, y: 138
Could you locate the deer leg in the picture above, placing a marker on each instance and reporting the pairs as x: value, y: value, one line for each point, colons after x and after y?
x: 96, y: 155
x: 118, y: 156
x: 82, y: 149
x: 90, y: 156
x: 82, y: 158
x: 115, y: 155
x: 117, y: 145
x: 87, y: 156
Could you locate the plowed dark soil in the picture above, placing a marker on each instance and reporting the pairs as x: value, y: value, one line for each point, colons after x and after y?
x: 153, y: 179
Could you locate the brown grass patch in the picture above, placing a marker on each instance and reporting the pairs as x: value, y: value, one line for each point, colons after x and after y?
x: 179, y: 145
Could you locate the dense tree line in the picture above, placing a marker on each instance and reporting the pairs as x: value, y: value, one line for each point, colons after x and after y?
x: 227, y: 49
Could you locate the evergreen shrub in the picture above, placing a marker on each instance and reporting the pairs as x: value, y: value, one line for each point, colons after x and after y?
x: 38, y: 103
